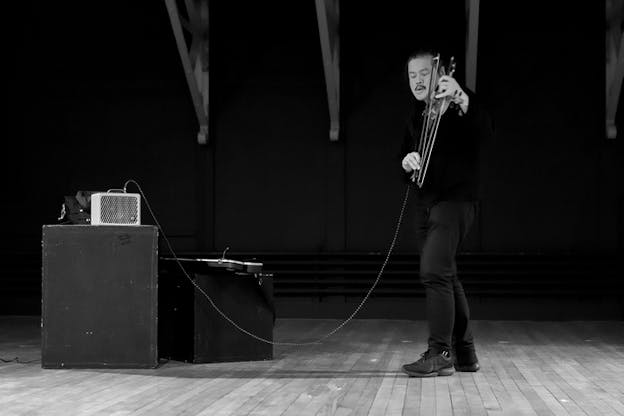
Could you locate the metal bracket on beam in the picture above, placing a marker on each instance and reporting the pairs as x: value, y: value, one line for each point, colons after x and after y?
x: 472, y: 41
x: 328, y: 17
x: 194, y: 60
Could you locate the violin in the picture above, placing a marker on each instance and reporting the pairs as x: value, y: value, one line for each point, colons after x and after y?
x: 230, y: 265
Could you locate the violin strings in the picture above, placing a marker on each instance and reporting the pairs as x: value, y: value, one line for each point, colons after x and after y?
x: 430, y: 127
x: 429, y: 112
x: 429, y: 105
x: 430, y: 149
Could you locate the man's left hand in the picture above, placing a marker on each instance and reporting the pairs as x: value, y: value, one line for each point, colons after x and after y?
x: 449, y: 87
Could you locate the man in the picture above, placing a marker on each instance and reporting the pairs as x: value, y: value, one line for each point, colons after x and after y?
x: 445, y: 209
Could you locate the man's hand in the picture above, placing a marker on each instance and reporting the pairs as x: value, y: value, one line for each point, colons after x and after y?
x: 411, y: 162
x: 448, y: 87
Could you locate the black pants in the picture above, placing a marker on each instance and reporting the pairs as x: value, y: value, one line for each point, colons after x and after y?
x: 440, y: 229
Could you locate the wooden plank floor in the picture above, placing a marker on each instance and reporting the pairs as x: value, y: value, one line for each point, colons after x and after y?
x: 528, y: 368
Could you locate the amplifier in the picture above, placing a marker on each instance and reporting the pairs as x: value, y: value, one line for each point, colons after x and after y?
x: 115, y: 208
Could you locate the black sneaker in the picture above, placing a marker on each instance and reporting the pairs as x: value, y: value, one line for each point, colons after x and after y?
x: 466, y: 362
x: 431, y: 365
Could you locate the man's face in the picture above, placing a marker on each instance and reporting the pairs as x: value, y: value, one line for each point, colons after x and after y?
x: 419, y: 72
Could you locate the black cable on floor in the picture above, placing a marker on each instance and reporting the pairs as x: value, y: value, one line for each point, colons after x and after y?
x: 17, y: 360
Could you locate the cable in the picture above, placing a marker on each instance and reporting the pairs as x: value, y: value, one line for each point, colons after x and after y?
x: 243, y: 330
x: 17, y: 360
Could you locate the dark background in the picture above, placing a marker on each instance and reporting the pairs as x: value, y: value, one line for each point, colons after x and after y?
x: 97, y: 95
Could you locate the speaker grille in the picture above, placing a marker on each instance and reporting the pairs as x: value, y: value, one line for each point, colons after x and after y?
x: 119, y: 209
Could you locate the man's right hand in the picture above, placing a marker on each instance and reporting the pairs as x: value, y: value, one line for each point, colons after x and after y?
x: 411, y: 162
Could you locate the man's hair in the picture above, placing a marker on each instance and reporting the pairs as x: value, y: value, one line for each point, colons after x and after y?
x: 418, y: 53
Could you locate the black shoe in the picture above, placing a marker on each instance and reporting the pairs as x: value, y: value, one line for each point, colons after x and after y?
x: 467, y: 368
x: 431, y: 365
x: 466, y: 362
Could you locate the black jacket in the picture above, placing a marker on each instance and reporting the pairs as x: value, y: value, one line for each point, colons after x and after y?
x: 453, y: 172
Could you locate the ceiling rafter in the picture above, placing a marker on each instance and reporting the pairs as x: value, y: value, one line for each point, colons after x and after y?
x: 328, y: 17
x: 472, y: 41
x: 194, y: 59
x: 614, y: 62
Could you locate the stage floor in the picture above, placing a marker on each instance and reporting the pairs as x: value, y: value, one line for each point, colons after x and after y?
x: 527, y: 368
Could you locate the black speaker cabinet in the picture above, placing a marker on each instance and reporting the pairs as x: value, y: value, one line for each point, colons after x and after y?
x: 191, y: 330
x: 99, y: 296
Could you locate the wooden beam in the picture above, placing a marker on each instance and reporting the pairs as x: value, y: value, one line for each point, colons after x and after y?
x: 328, y: 17
x: 202, y: 63
x: 614, y: 88
x: 195, y: 60
x: 614, y: 63
x: 472, y: 41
